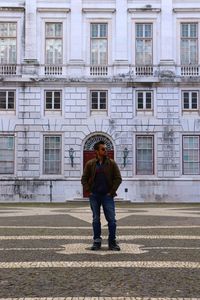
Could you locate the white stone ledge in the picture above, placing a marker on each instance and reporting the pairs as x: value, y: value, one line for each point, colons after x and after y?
x: 187, y: 10
x: 53, y: 9
x: 98, y: 10
x: 144, y: 10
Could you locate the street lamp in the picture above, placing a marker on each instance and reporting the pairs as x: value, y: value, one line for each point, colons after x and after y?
x: 125, y: 152
x: 71, y: 156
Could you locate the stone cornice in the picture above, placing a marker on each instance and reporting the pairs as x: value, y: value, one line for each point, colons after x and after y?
x: 99, y: 10
x: 186, y: 10
x: 12, y: 8
x: 52, y: 9
x: 144, y: 10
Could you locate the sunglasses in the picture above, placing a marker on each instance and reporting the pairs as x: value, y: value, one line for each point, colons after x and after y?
x: 103, y: 149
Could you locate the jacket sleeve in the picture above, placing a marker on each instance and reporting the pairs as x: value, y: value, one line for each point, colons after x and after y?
x: 86, y: 177
x: 117, y: 179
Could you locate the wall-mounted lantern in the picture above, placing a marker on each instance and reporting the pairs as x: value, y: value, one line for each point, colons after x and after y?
x: 71, y: 156
x: 125, y: 153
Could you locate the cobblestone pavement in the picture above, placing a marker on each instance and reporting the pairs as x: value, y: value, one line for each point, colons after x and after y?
x: 45, y: 253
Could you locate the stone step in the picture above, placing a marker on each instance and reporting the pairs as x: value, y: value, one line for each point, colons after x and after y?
x: 85, y: 199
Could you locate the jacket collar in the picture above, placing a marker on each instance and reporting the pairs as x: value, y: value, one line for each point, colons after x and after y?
x: 105, y: 161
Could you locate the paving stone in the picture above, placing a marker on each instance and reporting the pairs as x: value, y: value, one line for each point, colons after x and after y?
x: 44, y: 254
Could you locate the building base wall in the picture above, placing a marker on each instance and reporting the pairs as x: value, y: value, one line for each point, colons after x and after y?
x: 141, y: 190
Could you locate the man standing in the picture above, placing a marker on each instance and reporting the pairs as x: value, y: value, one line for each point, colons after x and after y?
x: 101, y: 178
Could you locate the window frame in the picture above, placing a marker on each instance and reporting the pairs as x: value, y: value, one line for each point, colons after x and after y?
x: 10, y: 37
x: 153, y: 155
x: 99, y: 99
x: 183, y: 149
x: 190, y: 92
x: 43, y: 155
x: 144, y: 92
x: 99, y: 38
x: 14, y: 158
x: 8, y: 109
x: 143, y: 39
x: 190, y: 39
x: 55, y: 38
x: 53, y: 109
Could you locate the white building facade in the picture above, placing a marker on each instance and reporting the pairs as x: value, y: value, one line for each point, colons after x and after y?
x: 76, y: 71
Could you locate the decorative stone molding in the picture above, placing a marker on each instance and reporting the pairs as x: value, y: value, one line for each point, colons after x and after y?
x: 56, y: 9
x: 13, y: 9
x: 186, y: 10
x: 99, y: 10
x: 144, y: 9
x: 166, y: 74
x: 89, y: 144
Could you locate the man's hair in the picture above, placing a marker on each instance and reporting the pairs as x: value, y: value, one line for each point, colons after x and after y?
x: 96, y: 146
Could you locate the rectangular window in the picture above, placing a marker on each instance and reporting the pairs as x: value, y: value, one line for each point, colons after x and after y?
x: 144, y: 155
x: 99, y: 44
x: 191, y: 155
x: 52, y: 154
x: 8, y: 43
x: 54, y: 43
x: 190, y: 100
x: 189, y: 43
x: 144, y: 44
x: 99, y: 100
x: 7, y: 100
x: 144, y: 100
x: 6, y: 154
x: 53, y: 100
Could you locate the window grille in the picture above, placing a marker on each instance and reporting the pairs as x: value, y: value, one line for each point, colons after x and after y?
x: 89, y: 145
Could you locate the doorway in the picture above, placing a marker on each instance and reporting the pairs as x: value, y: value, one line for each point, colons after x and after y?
x: 89, y: 153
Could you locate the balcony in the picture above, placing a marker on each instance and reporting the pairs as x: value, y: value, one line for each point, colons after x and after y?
x: 55, y: 70
x: 143, y: 70
x: 189, y: 70
x: 140, y: 72
x: 99, y: 70
x: 10, y: 69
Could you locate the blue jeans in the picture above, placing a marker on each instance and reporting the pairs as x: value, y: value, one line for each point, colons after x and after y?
x: 108, y: 205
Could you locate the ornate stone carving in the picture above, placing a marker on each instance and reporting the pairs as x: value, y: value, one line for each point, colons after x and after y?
x: 89, y: 145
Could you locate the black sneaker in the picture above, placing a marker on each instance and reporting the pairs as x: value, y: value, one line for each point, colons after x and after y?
x: 96, y: 246
x: 113, y: 246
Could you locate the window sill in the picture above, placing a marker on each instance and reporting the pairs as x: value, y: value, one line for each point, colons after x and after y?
x: 144, y: 113
x: 10, y: 112
x: 98, y: 113
x: 190, y: 112
x: 53, y: 113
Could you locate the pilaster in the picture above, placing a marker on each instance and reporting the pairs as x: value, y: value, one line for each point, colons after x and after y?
x: 30, y: 32
x: 121, y: 46
x: 76, y: 32
x: 166, y: 58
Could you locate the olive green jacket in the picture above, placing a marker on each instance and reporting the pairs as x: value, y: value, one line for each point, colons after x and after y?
x: 112, y: 173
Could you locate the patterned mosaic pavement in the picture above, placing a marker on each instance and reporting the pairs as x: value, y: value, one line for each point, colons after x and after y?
x: 45, y: 253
